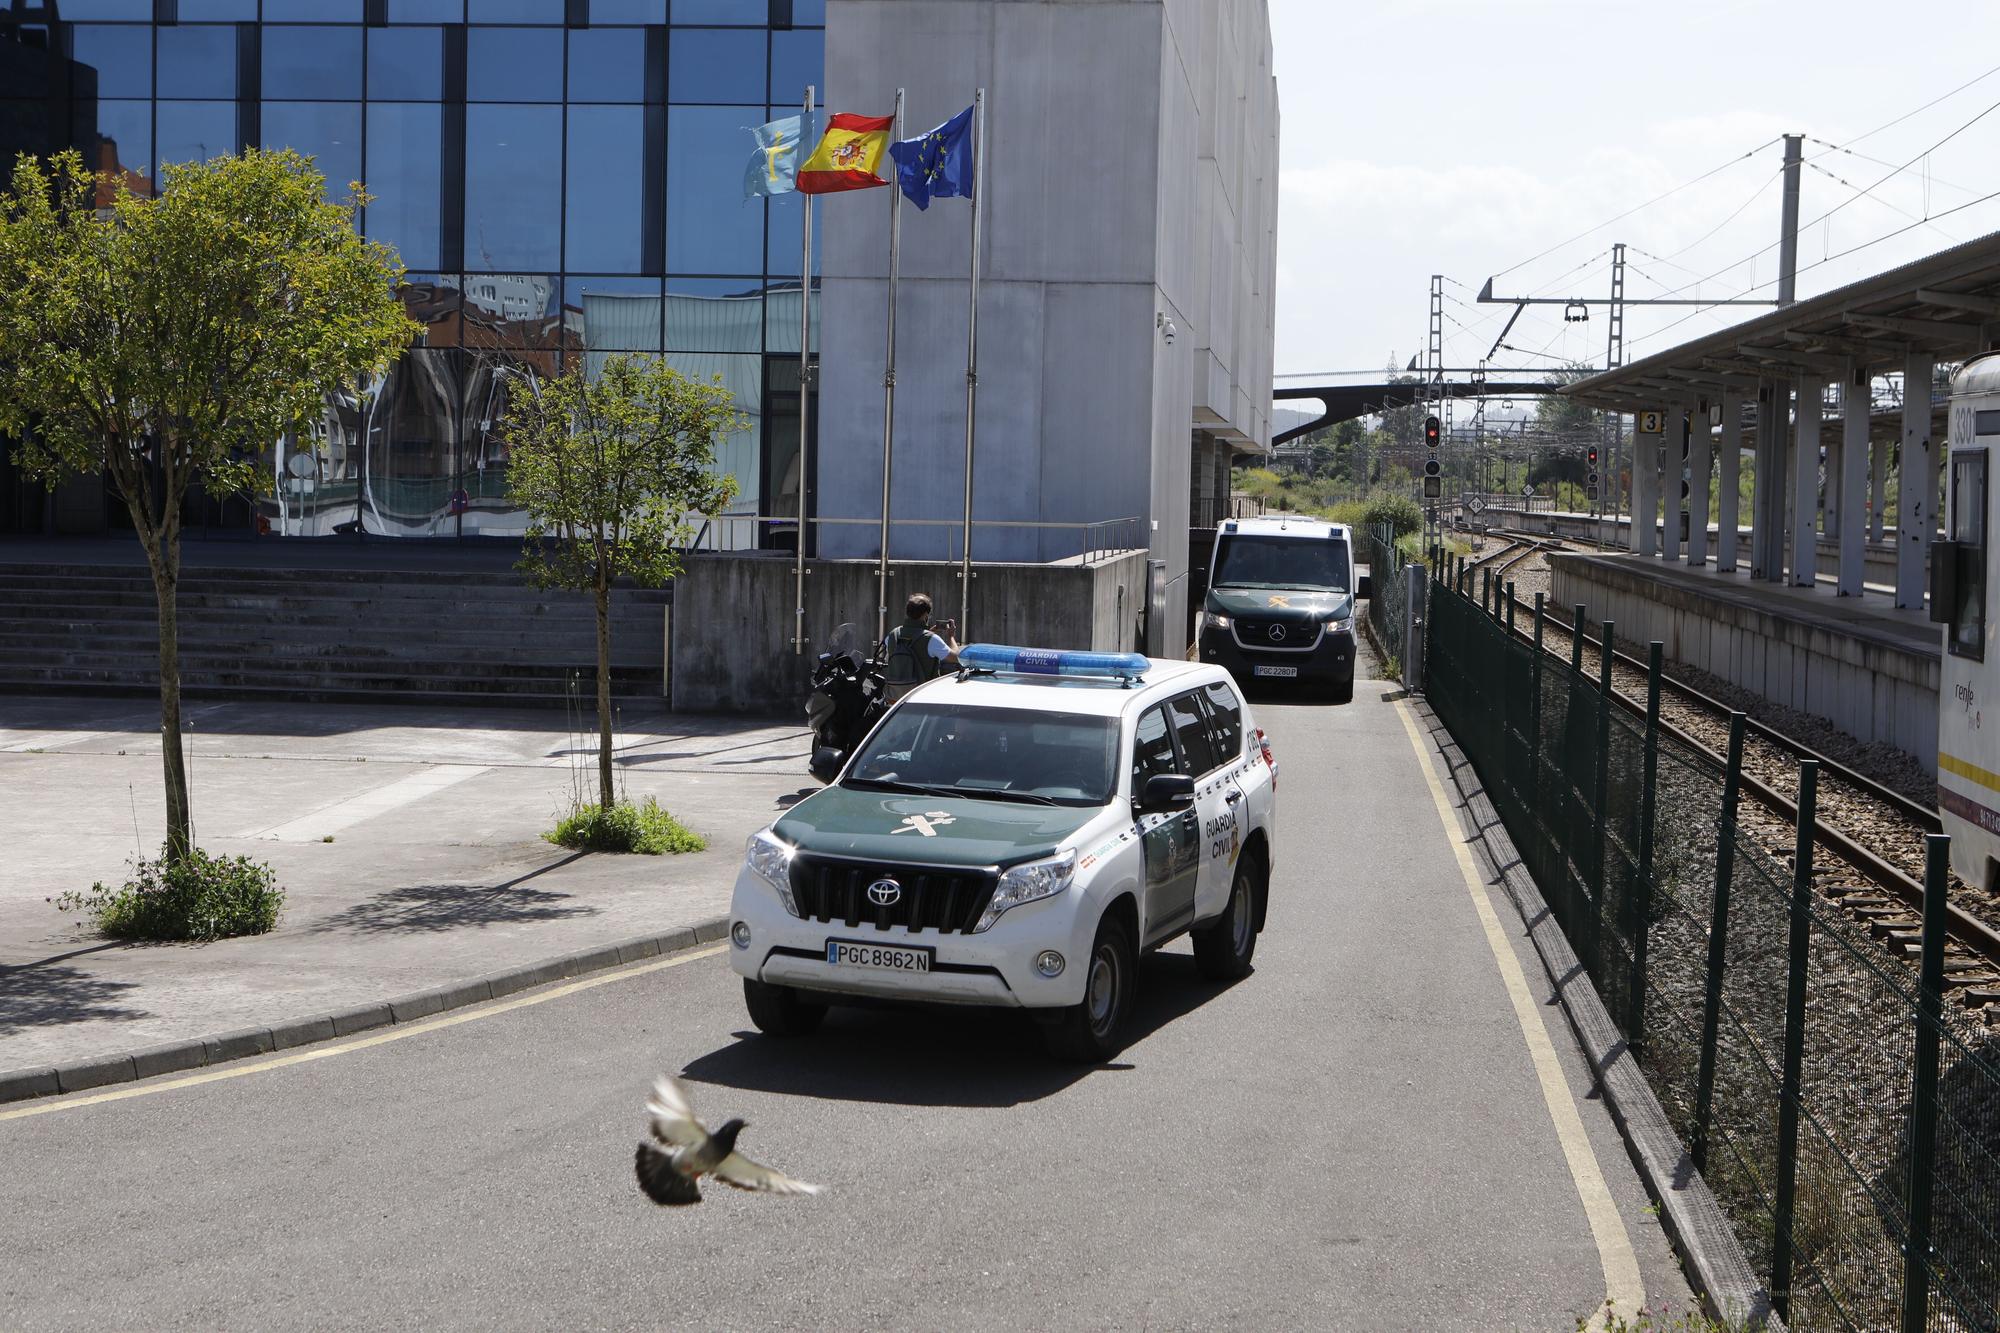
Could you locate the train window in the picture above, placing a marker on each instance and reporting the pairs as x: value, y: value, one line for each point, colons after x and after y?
x: 1968, y: 535
x: 1986, y: 422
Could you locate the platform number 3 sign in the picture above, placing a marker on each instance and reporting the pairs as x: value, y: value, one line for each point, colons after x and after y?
x: 1649, y: 423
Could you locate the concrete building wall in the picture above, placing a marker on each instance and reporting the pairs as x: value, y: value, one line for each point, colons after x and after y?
x: 1130, y: 182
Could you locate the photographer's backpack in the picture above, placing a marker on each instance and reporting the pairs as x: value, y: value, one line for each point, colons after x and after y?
x: 909, y: 663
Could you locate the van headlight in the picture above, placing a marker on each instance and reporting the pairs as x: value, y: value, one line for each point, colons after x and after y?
x: 1212, y: 620
x: 1340, y: 626
x: 770, y: 858
x: 1028, y: 883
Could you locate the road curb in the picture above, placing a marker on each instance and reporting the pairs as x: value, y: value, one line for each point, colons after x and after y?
x: 173, y: 1057
x: 1694, y: 1221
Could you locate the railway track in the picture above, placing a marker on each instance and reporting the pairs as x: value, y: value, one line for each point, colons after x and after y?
x: 1872, y: 833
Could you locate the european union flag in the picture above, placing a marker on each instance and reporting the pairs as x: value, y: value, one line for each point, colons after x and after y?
x: 937, y: 165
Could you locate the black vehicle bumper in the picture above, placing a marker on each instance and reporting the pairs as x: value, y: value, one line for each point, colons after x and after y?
x: 1331, y: 661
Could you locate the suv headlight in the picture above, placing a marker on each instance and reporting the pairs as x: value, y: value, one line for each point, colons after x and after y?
x: 1210, y: 620
x: 1028, y: 883
x: 770, y: 857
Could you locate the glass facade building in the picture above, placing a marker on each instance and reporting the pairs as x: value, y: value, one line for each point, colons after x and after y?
x: 562, y: 179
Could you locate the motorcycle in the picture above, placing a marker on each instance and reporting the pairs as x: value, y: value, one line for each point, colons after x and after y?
x: 848, y: 697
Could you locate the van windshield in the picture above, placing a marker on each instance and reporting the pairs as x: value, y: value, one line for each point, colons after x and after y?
x: 1255, y: 561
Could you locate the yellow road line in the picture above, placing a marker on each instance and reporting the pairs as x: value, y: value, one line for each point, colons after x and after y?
x: 1622, y: 1284
x: 397, y: 1033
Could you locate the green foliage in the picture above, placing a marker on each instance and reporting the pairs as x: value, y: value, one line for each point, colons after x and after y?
x: 613, y: 471
x: 191, y: 897
x: 1400, y: 512
x: 625, y: 827
x: 188, y: 330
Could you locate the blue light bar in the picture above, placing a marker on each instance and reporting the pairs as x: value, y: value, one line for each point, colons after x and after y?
x: 1049, y: 662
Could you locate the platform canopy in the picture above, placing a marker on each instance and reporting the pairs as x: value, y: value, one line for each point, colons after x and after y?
x: 1947, y: 304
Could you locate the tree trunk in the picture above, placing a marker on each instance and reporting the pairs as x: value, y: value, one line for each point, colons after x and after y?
x: 606, y: 796
x: 180, y: 815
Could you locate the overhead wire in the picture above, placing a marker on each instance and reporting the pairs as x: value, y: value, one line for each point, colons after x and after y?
x: 1897, y: 208
x: 1668, y: 194
x: 1941, y: 97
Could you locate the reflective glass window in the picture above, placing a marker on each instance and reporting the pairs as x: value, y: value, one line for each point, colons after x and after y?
x: 513, y: 186
x: 607, y: 65
x: 76, y: 11
x: 514, y: 11
x: 513, y: 65
x: 614, y: 314
x: 787, y: 219
x: 737, y: 453
x: 628, y: 11
x: 711, y: 228
x: 402, y: 171
x: 196, y: 131
x: 198, y: 60
x: 25, y: 121
x: 607, y: 191
x: 122, y: 57
x: 213, y: 11
x: 426, y: 11
x: 433, y: 300
x: 781, y: 316
x: 312, y: 11
x: 328, y: 132
x: 797, y: 59
x: 809, y: 11
x: 125, y: 142
x: 405, y: 64
x: 716, y: 315
x: 753, y: 13
x: 1184, y: 713
x: 313, y: 63
x: 711, y: 66
x: 512, y: 310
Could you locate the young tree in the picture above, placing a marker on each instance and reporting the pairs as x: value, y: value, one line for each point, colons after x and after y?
x: 611, y: 472
x: 168, y: 342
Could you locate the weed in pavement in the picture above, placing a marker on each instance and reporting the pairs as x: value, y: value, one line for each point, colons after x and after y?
x: 625, y: 827
x: 200, y: 897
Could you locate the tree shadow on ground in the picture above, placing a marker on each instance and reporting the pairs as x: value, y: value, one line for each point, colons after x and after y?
x: 423, y: 908
x: 38, y: 995
x: 940, y: 1055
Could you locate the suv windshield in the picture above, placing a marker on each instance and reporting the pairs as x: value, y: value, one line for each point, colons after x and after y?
x: 996, y: 753
x: 1249, y: 561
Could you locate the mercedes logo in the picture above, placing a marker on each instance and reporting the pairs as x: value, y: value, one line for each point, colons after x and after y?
x: 1277, y: 634
x: 885, y: 893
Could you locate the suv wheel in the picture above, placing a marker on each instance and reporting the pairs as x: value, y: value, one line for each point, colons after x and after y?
x: 1091, y: 1032
x: 780, y: 1011
x: 1224, y: 947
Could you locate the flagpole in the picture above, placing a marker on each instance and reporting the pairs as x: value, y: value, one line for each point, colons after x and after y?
x: 805, y: 343
x: 972, y: 358
x: 889, y: 391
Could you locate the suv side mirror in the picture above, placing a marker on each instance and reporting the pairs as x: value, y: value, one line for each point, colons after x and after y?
x: 1166, y: 791
x: 1366, y: 592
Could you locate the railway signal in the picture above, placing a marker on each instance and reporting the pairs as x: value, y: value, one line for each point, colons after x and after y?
x: 1433, y: 471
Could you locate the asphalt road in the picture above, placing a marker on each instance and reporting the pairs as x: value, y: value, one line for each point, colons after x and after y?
x: 1352, y: 1137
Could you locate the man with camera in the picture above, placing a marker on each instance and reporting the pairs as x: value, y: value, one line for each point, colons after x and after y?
x: 914, y: 652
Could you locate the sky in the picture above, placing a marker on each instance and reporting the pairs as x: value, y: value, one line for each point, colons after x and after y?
x: 1478, y: 138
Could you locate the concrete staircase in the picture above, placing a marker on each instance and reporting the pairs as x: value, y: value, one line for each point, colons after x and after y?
x: 324, y: 635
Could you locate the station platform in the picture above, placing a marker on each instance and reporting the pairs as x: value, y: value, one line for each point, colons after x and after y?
x: 1855, y: 662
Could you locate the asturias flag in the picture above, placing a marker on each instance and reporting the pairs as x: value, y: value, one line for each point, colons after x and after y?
x: 846, y: 156
x: 937, y: 165
x: 774, y: 166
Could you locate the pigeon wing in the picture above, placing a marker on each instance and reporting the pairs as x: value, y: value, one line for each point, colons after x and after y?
x: 671, y: 1118
x: 661, y: 1179
x: 744, y: 1174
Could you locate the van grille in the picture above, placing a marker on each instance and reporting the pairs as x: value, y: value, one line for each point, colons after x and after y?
x: 950, y: 899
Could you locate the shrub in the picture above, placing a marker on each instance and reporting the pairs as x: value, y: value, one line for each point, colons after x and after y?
x: 625, y: 827
x: 1398, y: 511
x: 199, y: 897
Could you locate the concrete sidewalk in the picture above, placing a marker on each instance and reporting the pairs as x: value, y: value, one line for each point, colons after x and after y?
x: 407, y: 840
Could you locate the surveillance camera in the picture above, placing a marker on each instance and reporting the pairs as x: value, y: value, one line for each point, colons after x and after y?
x: 1169, y: 331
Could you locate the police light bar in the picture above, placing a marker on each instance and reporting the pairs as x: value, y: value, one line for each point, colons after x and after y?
x: 1000, y: 658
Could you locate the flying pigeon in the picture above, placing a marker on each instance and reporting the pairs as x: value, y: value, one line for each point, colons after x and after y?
x: 670, y: 1169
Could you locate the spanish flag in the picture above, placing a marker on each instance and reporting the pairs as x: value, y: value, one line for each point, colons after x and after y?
x: 846, y: 156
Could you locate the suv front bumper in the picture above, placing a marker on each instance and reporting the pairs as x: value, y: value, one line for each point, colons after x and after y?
x: 1330, y: 661
x: 994, y: 967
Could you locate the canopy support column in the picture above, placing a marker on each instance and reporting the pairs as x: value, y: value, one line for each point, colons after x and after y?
x: 1646, y: 489
x: 1854, y: 405
x: 1805, y: 482
x: 1732, y: 461
x: 1916, y: 483
x: 1700, y: 464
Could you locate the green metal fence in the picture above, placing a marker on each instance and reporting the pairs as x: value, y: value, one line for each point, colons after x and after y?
x: 1846, y: 1118
x: 1387, y: 594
